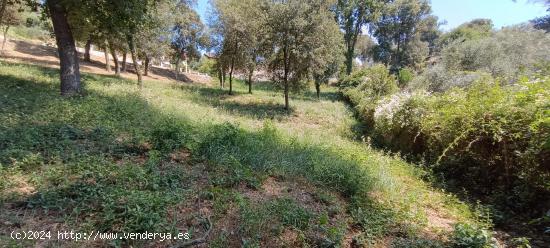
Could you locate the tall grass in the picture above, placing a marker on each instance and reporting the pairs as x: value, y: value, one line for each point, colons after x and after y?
x: 104, y: 159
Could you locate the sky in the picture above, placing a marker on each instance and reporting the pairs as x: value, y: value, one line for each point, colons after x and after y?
x: 456, y: 12
x: 502, y: 12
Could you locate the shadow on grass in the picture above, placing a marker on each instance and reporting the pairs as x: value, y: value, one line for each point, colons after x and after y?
x: 220, y: 98
x: 91, y: 133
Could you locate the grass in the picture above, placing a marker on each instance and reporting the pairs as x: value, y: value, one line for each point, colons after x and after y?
x: 161, y: 160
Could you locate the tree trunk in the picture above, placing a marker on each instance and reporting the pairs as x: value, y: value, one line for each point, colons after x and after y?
x: 147, y: 61
x: 220, y: 77
x: 87, y: 49
x: 124, y: 64
x: 133, y: 52
x: 115, y: 59
x: 5, y: 37
x: 107, y: 57
x: 250, y: 73
x: 349, y: 60
x: 177, y: 67
x: 231, y: 76
x: 68, y: 56
x: 224, y: 72
x: 3, y: 9
x: 285, y: 78
x: 318, y: 89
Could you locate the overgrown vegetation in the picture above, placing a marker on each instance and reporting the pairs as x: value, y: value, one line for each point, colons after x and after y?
x: 482, y: 130
x: 118, y: 161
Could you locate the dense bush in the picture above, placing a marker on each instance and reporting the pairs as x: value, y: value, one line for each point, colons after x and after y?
x: 489, y: 137
x: 362, y: 88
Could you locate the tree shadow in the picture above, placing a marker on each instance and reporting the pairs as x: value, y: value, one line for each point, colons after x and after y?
x: 220, y: 98
x: 90, y: 134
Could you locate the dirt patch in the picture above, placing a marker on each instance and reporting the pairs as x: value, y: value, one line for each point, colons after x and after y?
x: 39, y: 53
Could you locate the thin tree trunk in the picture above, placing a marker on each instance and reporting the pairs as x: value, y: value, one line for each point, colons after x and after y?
x: 250, y: 73
x: 220, y: 77
x: 124, y: 64
x: 285, y: 78
x: 177, y: 67
x: 115, y: 59
x: 5, y: 37
x: 349, y: 60
x: 224, y: 72
x: 87, y: 49
x: 68, y: 56
x: 147, y: 61
x: 318, y: 89
x: 231, y: 76
x: 133, y: 52
x: 3, y: 9
x: 107, y: 57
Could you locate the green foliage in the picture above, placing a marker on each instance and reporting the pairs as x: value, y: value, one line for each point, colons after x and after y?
x: 404, y: 77
x: 169, y: 134
x: 207, y: 66
x: 363, y: 88
x: 406, y: 32
x: 106, y: 161
x: 473, y: 30
x: 467, y: 134
x: 471, y: 236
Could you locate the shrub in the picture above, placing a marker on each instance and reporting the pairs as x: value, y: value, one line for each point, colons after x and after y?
x: 472, y: 236
x: 365, y: 87
x: 404, y: 77
x: 490, y: 138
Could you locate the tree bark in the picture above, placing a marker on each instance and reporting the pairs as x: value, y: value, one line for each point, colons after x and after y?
x: 3, y: 9
x: 115, y: 59
x: 146, y: 66
x: 87, y: 49
x: 137, y: 67
x: 220, y: 77
x: 177, y: 67
x: 68, y: 56
x: 250, y: 73
x: 107, y: 57
x: 224, y: 72
x: 231, y: 76
x: 124, y: 64
x: 349, y: 61
x: 285, y: 78
x: 5, y: 37
x: 318, y: 89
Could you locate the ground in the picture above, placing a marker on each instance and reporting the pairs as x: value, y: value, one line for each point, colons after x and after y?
x: 188, y: 157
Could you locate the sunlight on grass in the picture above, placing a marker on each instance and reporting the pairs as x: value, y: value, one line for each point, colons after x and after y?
x: 111, y: 143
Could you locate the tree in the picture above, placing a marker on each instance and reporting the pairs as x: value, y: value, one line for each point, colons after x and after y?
x: 472, y: 30
x: 293, y: 29
x: 353, y: 16
x: 542, y: 23
x: 189, y: 35
x: 240, y: 26
x: 404, y: 32
x: 68, y: 56
x: 364, y: 47
x: 327, y: 53
x: 155, y: 39
x: 10, y: 16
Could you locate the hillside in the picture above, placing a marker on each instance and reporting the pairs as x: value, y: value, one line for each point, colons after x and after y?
x: 179, y: 157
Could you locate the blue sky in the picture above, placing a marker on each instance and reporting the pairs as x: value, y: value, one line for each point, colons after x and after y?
x: 502, y: 12
x: 456, y: 12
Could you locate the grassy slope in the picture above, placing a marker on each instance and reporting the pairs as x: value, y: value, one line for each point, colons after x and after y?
x: 164, y: 158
